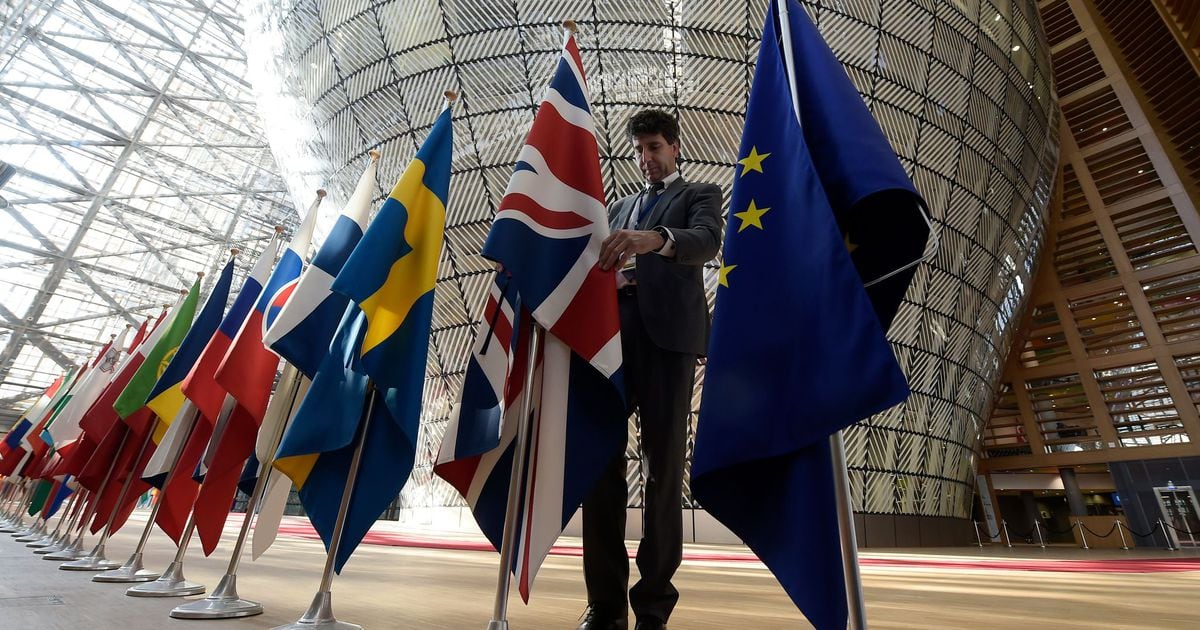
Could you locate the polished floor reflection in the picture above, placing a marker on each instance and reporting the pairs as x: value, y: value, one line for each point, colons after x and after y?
x: 433, y: 581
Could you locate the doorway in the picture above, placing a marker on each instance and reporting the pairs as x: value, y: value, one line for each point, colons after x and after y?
x: 1179, y: 510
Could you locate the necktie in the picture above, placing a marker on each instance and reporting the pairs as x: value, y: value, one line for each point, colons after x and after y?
x: 639, y: 214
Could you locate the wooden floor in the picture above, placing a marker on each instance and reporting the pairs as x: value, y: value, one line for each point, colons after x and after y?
x: 385, y: 587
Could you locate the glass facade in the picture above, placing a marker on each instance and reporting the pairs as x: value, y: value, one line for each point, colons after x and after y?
x: 962, y: 89
x: 137, y: 159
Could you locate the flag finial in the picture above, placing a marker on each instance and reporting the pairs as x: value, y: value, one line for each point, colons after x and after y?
x: 450, y: 95
x: 320, y: 193
x: 233, y: 251
x: 279, y: 229
x: 570, y: 25
x: 199, y: 274
x: 374, y: 153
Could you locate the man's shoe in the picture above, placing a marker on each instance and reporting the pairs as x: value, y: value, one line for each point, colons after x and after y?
x: 599, y: 619
x: 649, y: 623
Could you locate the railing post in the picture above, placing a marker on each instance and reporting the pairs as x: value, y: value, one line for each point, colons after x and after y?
x: 1037, y: 527
x: 1121, y: 531
x: 1167, y: 536
x: 1082, y: 536
x: 1004, y: 528
x: 978, y: 538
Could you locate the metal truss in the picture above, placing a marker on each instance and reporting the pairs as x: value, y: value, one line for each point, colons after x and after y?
x: 139, y: 160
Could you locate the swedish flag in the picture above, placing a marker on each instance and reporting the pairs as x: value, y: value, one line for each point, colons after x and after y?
x: 382, y: 340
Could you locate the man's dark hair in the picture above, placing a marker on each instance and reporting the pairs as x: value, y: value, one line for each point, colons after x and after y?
x: 652, y: 121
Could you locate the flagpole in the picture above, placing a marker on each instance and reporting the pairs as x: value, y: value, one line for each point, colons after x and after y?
x: 172, y: 583
x: 499, y: 619
x: 320, y: 611
x: 75, y: 550
x: 133, y: 570
x: 60, y: 540
x: 224, y: 602
x: 841, y: 480
x: 95, y: 561
x: 49, y: 539
x: 16, y: 527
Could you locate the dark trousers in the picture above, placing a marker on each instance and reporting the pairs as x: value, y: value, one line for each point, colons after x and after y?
x: 659, y: 385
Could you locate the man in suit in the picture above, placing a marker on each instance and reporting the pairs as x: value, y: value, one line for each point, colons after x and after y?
x: 661, y: 237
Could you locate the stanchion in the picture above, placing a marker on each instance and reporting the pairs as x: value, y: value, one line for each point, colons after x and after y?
x: 855, y: 601
x: 1167, y: 536
x: 224, y: 602
x: 320, y: 611
x: 1082, y: 536
x: 978, y: 538
x: 1037, y: 527
x: 96, y: 561
x: 1007, y: 537
x: 172, y: 583
x: 1121, y: 532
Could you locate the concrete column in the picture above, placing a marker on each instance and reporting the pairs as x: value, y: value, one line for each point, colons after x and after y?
x: 1074, y: 495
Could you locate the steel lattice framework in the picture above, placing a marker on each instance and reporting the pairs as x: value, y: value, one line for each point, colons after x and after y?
x: 139, y: 159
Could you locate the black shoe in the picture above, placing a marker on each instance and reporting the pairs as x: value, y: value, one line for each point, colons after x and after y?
x: 599, y: 619
x: 649, y: 623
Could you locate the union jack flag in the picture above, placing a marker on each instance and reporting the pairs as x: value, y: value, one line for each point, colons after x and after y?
x: 547, y: 236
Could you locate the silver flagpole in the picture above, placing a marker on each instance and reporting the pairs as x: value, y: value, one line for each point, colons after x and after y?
x: 17, y: 526
x: 499, y: 619
x: 133, y: 570
x: 224, y: 602
x: 96, y: 561
x: 320, y: 611
x: 841, y: 481
x: 172, y: 583
x: 841, y: 488
x: 49, y: 539
x: 61, y: 541
x: 75, y: 550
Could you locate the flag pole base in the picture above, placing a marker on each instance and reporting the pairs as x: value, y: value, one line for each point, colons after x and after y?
x: 131, y: 571
x: 41, y: 543
x: 27, y: 536
x: 319, y: 616
x: 497, y: 625
x: 171, y: 584
x: 74, y: 551
x: 94, y: 561
x: 54, y: 548
x: 222, y: 603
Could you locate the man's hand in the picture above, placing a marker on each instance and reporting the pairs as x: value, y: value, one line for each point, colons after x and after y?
x: 622, y: 244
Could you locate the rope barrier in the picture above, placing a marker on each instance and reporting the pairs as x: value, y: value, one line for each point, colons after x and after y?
x: 1181, y: 531
x: 1105, y: 535
x: 1065, y: 531
x: 1135, y: 532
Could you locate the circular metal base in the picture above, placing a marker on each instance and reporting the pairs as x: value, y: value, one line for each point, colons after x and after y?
x: 40, y: 543
x: 65, y: 554
x: 127, y: 574
x: 214, y: 608
x: 319, y: 625
x: 90, y: 564
x: 45, y: 550
x: 30, y: 537
x: 159, y: 588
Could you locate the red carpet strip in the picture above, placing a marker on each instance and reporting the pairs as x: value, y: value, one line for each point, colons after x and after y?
x: 302, y: 529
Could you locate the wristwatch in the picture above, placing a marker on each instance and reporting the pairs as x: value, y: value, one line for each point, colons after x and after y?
x: 666, y: 236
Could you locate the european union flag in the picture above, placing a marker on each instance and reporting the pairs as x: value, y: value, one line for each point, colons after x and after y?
x: 798, y: 350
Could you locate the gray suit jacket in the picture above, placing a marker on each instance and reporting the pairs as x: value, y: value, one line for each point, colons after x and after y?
x: 671, y: 290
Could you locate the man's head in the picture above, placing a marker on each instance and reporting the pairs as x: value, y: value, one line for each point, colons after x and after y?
x: 655, y: 137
